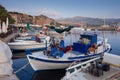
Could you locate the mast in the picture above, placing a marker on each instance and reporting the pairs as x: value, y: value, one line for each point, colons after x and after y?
x: 103, y: 35
x: 103, y: 28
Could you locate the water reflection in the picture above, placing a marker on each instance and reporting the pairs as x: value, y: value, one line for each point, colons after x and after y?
x: 49, y: 75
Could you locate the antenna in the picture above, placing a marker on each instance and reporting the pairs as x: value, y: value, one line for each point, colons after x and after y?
x: 103, y: 28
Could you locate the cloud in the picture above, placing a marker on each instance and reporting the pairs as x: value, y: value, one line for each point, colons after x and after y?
x: 49, y: 13
x: 17, y: 10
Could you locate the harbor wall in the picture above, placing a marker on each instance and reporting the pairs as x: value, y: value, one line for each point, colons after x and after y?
x: 112, y: 59
x: 8, y: 38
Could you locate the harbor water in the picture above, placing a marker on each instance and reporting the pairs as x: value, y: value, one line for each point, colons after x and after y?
x: 27, y: 73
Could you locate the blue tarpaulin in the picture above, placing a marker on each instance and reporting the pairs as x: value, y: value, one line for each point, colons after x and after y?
x: 61, y: 46
x: 54, y: 51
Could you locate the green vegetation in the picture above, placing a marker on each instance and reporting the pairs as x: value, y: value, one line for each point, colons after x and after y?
x: 4, y: 14
x: 55, y: 24
x: 52, y: 23
x: 16, y: 13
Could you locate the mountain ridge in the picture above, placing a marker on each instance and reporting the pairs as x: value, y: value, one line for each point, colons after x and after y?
x: 89, y: 20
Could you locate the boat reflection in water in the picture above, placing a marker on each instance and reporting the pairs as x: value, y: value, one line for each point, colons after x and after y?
x: 49, y: 74
x: 27, y: 73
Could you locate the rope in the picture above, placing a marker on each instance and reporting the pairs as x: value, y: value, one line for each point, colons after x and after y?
x: 21, y: 68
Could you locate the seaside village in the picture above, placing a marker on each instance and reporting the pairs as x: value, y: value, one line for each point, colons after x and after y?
x: 49, y: 45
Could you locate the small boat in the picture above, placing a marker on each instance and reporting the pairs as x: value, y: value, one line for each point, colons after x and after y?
x: 28, y: 36
x: 27, y: 44
x: 60, y: 57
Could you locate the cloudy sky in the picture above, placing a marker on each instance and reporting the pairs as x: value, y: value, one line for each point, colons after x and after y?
x: 65, y: 8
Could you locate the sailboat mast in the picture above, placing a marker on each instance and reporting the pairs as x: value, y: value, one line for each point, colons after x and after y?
x: 103, y: 29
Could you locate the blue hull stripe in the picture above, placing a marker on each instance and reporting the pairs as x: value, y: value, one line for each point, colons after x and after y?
x: 43, y: 60
x: 69, y: 61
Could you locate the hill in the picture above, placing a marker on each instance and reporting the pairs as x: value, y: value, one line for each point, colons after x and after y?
x: 88, y: 20
x: 24, y: 18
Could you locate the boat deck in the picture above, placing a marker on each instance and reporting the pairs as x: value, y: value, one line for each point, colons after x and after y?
x: 112, y: 74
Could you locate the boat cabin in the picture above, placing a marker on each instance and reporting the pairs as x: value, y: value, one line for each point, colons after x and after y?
x: 86, y: 40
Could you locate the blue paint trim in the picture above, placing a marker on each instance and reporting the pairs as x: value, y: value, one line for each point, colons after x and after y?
x: 69, y: 61
x: 51, y: 61
x: 107, y: 50
x: 32, y: 49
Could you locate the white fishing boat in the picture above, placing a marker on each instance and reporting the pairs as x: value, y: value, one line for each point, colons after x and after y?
x: 60, y: 57
x: 23, y: 45
x: 23, y: 34
x: 29, y: 36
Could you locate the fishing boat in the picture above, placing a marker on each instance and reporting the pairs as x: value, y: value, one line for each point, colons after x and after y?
x: 59, y: 57
x: 29, y: 44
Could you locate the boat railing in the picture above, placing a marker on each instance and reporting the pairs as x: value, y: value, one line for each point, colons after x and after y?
x: 101, y: 39
x: 78, y: 67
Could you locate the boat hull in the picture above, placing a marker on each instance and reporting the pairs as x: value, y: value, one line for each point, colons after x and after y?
x: 26, y: 45
x: 48, y: 64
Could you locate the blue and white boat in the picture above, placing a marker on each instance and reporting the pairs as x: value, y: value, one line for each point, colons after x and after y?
x: 60, y: 57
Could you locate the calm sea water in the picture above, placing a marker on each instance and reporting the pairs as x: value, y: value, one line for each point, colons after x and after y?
x: 28, y: 73
x: 114, y: 40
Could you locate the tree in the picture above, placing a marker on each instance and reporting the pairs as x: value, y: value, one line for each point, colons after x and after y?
x: 57, y: 24
x: 52, y: 23
x: 4, y: 14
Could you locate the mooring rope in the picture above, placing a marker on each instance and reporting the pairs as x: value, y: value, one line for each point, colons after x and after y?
x: 21, y: 68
